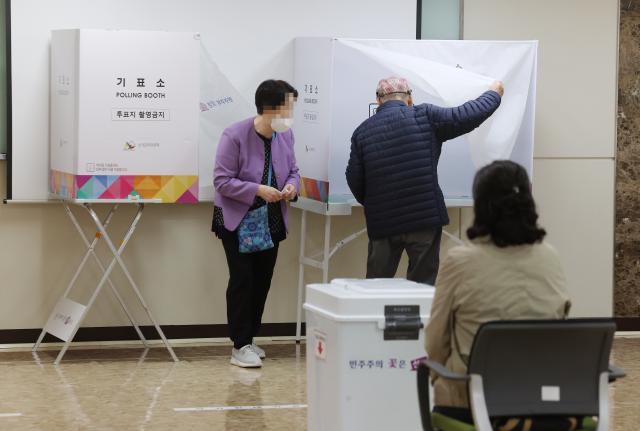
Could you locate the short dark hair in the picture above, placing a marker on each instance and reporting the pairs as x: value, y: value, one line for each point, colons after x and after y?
x: 504, y: 206
x: 273, y: 93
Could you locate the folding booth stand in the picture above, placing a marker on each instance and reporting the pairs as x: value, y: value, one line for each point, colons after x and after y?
x: 68, y: 315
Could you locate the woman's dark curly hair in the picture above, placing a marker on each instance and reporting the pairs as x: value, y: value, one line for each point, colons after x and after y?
x: 504, y: 207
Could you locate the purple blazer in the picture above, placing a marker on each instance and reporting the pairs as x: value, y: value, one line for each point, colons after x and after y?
x: 240, y: 165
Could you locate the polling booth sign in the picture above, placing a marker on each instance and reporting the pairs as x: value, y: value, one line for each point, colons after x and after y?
x: 337, y: 79
x: 124, y: 115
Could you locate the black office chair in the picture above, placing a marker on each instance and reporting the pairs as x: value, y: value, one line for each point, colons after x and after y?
x: 531, y: 368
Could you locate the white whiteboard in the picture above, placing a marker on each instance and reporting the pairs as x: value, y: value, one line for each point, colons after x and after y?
x: 250, y: 41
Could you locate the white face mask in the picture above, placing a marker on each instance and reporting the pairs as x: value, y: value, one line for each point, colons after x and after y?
x: 281, y: 125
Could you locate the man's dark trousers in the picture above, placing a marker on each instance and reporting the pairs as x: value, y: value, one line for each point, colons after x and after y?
x: 423, y: 249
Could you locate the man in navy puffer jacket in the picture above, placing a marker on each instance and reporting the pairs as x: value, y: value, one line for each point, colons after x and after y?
x: 393, y: 173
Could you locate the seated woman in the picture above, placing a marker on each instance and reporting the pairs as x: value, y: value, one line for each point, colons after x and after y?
x: 506, y: 272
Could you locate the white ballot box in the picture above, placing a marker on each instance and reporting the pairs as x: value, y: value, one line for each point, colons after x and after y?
x: 364, y: 341
x: 337, y: 79
x: 124, y: 115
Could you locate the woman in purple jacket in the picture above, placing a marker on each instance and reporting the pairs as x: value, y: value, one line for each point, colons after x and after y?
x: 255, y: 167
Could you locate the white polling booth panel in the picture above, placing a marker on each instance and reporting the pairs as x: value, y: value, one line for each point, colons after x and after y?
x: 124, y: 115
x: 337, y: 79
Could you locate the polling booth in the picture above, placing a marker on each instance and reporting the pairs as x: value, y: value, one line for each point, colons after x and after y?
x: 124, y: 129
x: 124, y: 115
x: 337, y: 80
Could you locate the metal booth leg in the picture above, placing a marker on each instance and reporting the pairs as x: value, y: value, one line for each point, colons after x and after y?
x: 117, y: 257
x: 102, y: 281
x: 91, y: 249
x: 303, y: 241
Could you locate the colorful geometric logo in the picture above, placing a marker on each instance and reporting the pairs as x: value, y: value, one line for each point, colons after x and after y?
x: 167, y: 188
x: 314, y: 189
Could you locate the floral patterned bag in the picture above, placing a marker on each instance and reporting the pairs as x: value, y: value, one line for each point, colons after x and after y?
x: 253, y: 232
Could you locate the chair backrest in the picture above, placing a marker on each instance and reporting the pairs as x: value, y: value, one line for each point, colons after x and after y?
x: 542, y: 367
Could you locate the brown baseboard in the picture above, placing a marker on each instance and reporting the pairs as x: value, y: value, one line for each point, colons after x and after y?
x: 176, y: 332
x: 628, y: 323
x: 127, y: 333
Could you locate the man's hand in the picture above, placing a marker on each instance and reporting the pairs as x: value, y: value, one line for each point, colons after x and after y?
x: 289, y: 192
x: 269, y: 194
x: 498, y: 87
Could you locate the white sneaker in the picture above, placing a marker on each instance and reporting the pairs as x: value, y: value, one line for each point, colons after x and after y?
x: 258, y: 351
x: 245, y: 357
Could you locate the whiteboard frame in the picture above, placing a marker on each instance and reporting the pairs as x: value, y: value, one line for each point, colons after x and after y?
x: 9, y: 130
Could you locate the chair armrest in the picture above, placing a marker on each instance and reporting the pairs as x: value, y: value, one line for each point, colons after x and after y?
x: 423, y: 387
x: 616, y: 373
x: 443, y: 371
x: 424, y: 401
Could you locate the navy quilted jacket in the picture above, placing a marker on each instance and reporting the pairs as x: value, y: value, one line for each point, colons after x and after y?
x: 393, y: 168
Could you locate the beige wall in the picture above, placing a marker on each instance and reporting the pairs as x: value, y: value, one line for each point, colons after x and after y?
x: 574, y: 167
x: 181, y: 268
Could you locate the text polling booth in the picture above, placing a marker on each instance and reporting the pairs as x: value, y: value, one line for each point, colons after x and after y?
x: 124, y: 129
x: 337, y: 79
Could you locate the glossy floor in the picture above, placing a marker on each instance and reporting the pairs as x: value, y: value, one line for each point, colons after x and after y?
x: 133, y: 389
